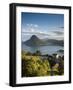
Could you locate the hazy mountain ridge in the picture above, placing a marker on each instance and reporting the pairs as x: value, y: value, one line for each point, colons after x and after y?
x: 35, y: 41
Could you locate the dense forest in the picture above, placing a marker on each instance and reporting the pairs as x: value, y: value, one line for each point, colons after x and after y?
x: 36, y: 64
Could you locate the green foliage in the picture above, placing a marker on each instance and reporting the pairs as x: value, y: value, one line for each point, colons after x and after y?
x: 38, y: 65
x: 34, y: 66
x: 37, y: 53
x: 61, y: 68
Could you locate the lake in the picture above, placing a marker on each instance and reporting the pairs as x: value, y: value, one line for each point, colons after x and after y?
x: 50, y: 49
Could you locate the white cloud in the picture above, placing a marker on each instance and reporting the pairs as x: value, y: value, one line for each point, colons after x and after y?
x: 34, y: 29
x: 35, y: 25
x: 32, y: 25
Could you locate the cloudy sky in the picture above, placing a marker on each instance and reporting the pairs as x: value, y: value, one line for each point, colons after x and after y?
x: 49, y: 26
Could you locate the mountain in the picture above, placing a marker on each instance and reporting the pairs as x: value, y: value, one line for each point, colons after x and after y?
x: 56, y: 42
x: 35, y: 41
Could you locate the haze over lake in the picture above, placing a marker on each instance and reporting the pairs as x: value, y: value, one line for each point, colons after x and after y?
x: 43, y: 49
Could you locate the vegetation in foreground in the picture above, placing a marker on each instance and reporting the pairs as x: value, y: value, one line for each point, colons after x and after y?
x: 35, y: 64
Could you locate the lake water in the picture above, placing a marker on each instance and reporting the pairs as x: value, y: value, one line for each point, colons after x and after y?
x: 44, y: 49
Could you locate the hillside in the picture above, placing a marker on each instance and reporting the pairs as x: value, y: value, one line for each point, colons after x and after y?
x: 35, y: 41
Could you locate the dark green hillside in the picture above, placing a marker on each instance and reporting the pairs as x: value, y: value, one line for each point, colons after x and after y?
x: 35, y: 41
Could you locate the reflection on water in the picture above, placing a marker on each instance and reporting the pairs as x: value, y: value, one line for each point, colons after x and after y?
x: 44, y: 49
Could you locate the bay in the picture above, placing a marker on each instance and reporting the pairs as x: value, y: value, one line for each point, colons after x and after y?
x: 50, y: 49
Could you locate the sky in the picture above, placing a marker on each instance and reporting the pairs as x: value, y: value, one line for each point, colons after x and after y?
x: 43, y: 25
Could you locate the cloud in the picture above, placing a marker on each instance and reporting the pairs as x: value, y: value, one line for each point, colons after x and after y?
x: 59, y: 32
x: 34, y: 29
x: 32, y: 25
x: 36, y: 33
x: 61, y: 27
x: 35, y: 25
x: 31, y: 28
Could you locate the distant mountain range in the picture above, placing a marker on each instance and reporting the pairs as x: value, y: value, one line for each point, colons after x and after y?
x: 35, y: 41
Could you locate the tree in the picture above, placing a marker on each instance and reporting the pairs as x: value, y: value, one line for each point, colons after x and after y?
x: 34, y: 66
x: 38, y: 52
